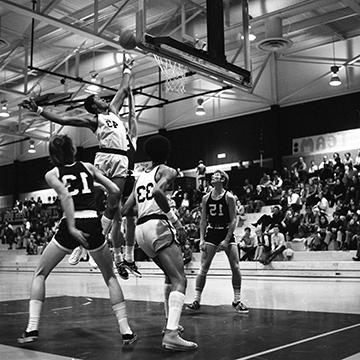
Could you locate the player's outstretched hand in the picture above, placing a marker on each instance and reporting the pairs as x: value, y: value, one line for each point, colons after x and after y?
x: 29, y: 104
x: 80, y: 237
x: 202, y: 245
x: 128, y: 62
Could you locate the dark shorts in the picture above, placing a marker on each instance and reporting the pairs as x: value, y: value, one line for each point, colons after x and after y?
x: 216, y: 236
x: 91, y: 226
x: 128, y: 187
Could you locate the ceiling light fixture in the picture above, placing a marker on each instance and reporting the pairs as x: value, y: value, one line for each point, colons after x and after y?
x: 31, y: 149
x: 4, y: 113
x: 93, y: 88
x: 335, y: 80
x: 200, y: 111
x: 252, y: 36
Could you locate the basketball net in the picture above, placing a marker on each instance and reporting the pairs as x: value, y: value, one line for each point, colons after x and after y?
x: 174, y: 74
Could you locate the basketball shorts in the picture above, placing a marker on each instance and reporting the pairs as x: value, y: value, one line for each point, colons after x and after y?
x: 216, y: 236
x: 91, y: 226
x: 155, y: 235
x: 112, y: 165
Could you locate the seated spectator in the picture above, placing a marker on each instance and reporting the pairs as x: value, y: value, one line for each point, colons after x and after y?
x: 334, y: 233
x: 293, y: 200
x: 276, y: 184
x: 317, y: 243
x: 277, y: 245
x: 357, y: 161
x: 247, y: 245
x: 259, y: 198
x: 352, y: 232
x: 262, y: 244
x: 291, y: 224
x: 313, y: 169
x: 187, y: 253
x: 348, y: 160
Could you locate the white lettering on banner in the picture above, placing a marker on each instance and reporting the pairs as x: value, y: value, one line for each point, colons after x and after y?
x: 331, y: 142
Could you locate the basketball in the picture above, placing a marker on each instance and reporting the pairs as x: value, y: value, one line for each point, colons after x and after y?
x: 127, y: 40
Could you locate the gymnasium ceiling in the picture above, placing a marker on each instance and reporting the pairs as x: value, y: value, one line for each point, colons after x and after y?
x: 76, y: 38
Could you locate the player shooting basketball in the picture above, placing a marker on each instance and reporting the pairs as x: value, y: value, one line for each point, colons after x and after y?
x: 111, y: 158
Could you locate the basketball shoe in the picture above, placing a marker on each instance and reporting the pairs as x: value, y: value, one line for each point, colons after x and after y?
x: 240, y: 307
x: 132, y: 267
x: 193, y: 306
x: 121, y: 270
x: 174, y: 342
x: 28, y: 337
x: 128, y: 339
x: 75, y: 256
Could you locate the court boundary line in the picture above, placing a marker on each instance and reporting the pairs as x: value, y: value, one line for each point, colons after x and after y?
x: 298, y: 342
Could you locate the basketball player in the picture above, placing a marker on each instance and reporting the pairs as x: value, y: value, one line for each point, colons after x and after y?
x: 217, y: 225
x: 155, y: 234
x: 111, y: 158
x: 74, y: 183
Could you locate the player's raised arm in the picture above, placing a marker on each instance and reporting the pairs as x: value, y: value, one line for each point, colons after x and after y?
x: 132, y: 120
x: 87, y: 122
x: 118, y: 100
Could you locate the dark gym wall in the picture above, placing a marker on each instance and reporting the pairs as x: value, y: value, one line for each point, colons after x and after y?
x: 241, y: 138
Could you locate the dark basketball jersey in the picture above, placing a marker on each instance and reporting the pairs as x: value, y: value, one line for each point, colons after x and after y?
x: 217, y: 211
x: 80, y: 184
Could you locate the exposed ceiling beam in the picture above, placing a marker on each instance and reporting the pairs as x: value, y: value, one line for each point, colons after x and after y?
x: 19, y: 9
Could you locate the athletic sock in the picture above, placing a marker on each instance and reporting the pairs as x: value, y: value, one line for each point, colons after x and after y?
x: 176, y: 302
x: 118, y: 255
x: 237, y: 295
x: 129, y: 253
x: 120, y: 312
x: 198, y: 296
x: 35, y: 307
x: 167, y: 290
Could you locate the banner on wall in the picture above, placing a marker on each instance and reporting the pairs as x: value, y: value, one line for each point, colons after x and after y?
x: 325, y: 143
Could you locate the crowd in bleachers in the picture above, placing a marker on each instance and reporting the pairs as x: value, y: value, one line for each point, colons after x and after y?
x: 318, y: 204
x: 30, y: 224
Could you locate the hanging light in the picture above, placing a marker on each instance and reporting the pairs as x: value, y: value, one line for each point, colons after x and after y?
x: 31, y: 149
x: 4, y: 113
x: 93, y: 88
x: 200, y: 111
x: 335, y: 80
x: 252, y: 36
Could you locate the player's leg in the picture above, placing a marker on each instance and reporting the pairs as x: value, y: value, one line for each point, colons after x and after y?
x: 233, y: 257
x: 206, y: 259
x: 103, y: 259
x: 51, y: 256
x: 112, y: 211
x: 170, y: 260
x: 129, y: 260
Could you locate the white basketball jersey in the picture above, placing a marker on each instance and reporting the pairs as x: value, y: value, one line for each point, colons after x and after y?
x: 111, y: 132
x: 144, y: 194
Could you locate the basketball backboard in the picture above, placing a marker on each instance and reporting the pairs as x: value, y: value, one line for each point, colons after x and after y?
x: 206, y: 56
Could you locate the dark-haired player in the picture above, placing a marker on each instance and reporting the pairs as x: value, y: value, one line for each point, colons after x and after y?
x: 217, y: 225
x: 73, y: 182
x: 156, y: 231
x: 115, y: 144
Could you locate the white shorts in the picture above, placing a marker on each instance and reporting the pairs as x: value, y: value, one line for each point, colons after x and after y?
x: 154, y: 235
x: 112, y: 165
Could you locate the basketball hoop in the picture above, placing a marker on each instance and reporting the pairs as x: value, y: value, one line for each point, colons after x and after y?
x: 174, y: 74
